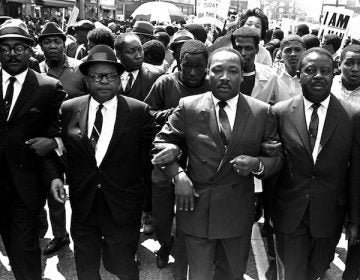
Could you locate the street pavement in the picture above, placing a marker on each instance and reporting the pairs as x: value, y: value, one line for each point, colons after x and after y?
x: 61, y: 266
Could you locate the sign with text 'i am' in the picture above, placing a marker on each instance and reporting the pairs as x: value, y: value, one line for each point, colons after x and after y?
x: 335, y: 20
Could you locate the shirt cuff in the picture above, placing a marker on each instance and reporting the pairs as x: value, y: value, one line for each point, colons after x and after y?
x: 60, y: 146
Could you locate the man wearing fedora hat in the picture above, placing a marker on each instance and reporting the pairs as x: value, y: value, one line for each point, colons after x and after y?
x: 29, y: 108
x: 107, y: 137
x: 66, y: 69
x: 81, y: 28
x: 145, y: 31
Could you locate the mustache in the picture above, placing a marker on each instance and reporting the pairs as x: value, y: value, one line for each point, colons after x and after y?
x: 14, y: 60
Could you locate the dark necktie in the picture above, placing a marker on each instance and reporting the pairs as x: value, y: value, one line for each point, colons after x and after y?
x: 225, y: 128
x: 314, y: 125
x: 129, y: 83
x: 9, y: 96
x: 95, y: 134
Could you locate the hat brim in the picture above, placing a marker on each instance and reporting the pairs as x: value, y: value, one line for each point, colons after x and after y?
x: 16, y: 36
x: 85, y: 65
x: 173, y: 44
x: 145, y: 34
x: 43, y: 36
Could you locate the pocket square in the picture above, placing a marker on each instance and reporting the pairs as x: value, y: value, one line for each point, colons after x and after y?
x: 35, y: 110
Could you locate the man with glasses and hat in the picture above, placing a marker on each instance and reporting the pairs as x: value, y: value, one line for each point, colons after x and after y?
x: 107, y: 137
x: 29, y: 108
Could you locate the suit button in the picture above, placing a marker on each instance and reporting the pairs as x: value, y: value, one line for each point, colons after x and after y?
x: 98, y: 186
x: 313, y: 177
x: 307, y: 195
x: 20, y: 165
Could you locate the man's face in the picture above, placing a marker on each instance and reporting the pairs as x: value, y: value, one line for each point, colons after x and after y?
x: 53, y: 48
x: 193, y: 68
x: 132, y: 54
x: 103, y: 90
x: 247, y: 48
x: 225, y: 75
x: 350, y: 68
x: 316, y: 77
x: 291, y: 54
x: 14, y: 63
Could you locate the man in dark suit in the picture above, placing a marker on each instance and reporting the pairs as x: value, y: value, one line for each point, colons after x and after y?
x: 29, y: 109
x: 136, y: 82
x: 222, y: 132
x: 319, y: 182
x: 106, y: 137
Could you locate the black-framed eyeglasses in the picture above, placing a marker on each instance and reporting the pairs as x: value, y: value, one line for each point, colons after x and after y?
x: 18, y: 49
x: 97, y: 77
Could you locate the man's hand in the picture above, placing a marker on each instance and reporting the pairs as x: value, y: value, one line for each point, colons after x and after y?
x: 270, y: 148
x: 58, y: 191
x: 352, y: 234
x: 41, y: 145
x: 244, y: 165
x: 184, y: 192
x: 164, y: 153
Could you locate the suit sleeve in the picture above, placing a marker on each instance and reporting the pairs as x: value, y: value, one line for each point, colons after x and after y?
x: 272, y: 164
x: 354, y: 175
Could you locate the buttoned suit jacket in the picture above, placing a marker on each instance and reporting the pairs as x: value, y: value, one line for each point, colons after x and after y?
x: 146, y: 77
x: 35, y: 114
x: 330, y: 186
x: 225, y: 207
x: 120, y: 172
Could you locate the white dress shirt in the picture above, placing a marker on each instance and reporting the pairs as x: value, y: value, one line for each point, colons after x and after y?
x: 230, y: 109
x: 109, y: 116
x: 125, y: 78
x: 20, y: 78
x: 322, y: 110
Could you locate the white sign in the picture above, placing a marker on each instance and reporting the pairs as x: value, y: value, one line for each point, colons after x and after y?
x: 213, y: 11
x: 73, y: 16
x: 335, y: 20
x: 107, y: 2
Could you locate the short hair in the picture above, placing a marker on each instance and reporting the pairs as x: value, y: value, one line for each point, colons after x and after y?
x: 311, y: 41
x: 256, y: 13
x: 351, y: 48
x: 194, y: 47
x: 163, y: 37
x: 155, y: 49
x: 334, y: 40
x: 318, y: 50
x: 120, y: 40
x: 245, y: 31
x: 292, y: 38
x: 278, y: 34
x: 303, y: 29
x: 226, y: 49
x: 170, y: 30
x: 101, y: 36
x: 198, y: 31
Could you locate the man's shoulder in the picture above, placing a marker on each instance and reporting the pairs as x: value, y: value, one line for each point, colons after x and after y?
x: 194, y: 100
x: 73, y: 62
x: 265, y: 71
x: 284, y: 106
x: 152, y: 70
x: 75, y: 102
x: 43, y: 80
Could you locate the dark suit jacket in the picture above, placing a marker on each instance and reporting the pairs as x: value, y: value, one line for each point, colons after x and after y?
x: 35, y: 114
x: 225, y: 207
x: 147, y: 76
x: 331, y: 185
x: 120, y: 173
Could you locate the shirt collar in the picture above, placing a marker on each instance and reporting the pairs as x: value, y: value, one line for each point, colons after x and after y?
x: 324, y: 103
x: 20, y: 78
x: 126, y: 74
x: 285, y: 73
x: 108, y: 105
x: 65, y: 64
x: 232, y: 102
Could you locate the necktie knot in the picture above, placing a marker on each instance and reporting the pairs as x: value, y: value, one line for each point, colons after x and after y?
x: 12, y: 80
x: 222, y: 104
x: 315, y: 106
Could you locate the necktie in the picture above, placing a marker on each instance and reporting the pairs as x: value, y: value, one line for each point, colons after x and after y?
x: 314, y: 124
x: 95, y: 134
x: 129, y: 83
x: 225, y: 129
x: 9, y: 96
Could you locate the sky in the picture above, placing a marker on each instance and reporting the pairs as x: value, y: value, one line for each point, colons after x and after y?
x: 312, y: 7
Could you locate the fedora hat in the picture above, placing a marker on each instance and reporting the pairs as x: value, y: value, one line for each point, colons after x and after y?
x: 180, y: 36
x: 143, y: 28
x: 101, y: 54
x: 15, y: 28
x: 84, y: 25
x: 51, y: 29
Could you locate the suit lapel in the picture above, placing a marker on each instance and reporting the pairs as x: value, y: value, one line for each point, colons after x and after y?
x: 242, y: 115
x: 122, y: 115
x: 2, y: 111
x: 83, y: 111
x: 209, y: 115
x: 297, y: 116
x: 331, y: 121
x: 25, y: 93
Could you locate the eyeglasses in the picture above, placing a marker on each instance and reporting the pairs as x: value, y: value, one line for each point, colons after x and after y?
x: 97, y: 77
x: 18, y: 49
x: 314, y: 71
